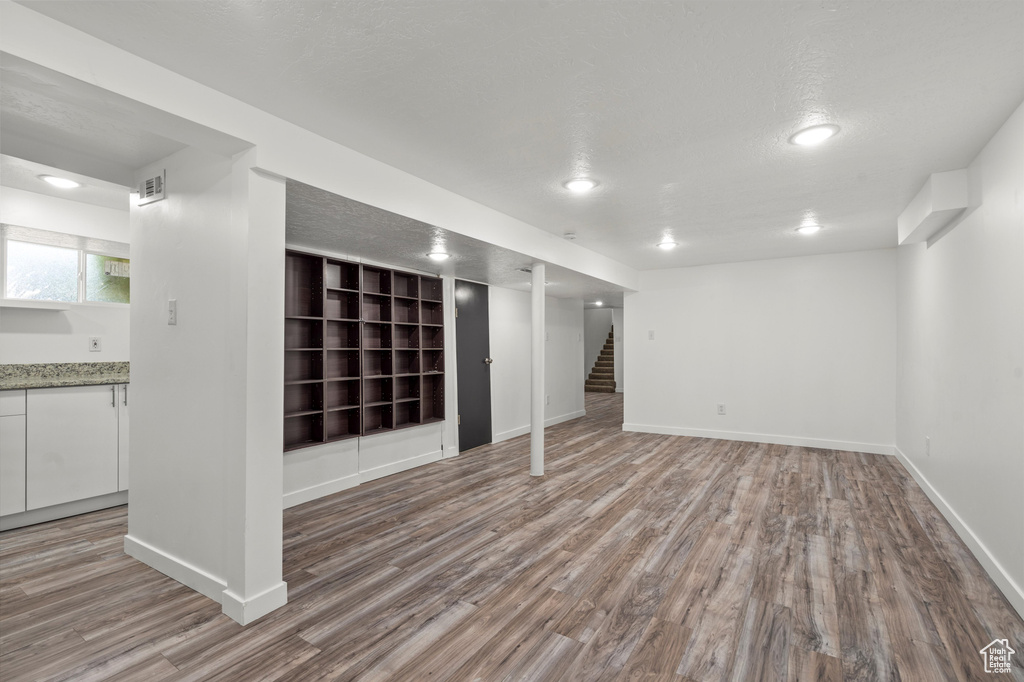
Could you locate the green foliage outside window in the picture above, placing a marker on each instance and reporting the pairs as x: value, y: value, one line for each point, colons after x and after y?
x: 107, y: 279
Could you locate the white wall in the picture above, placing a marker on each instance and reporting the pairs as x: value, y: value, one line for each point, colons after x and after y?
x: 961, y: 353
x: 596, y: 323
x: 42, y: 336
x: 205, y: 496
x: 45, y: 336
x: 510, y: 373
x: 800, y: 350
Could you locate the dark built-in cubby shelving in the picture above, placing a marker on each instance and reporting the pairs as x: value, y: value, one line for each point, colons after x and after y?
x: 364, y: 350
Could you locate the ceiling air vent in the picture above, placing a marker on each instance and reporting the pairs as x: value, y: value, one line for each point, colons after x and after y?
x: 151, y: 189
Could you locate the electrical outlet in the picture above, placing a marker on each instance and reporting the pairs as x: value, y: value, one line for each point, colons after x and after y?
x: 95, y: 346
x: 927, y: 446
x: 172, y: 311
x: 721, y: 408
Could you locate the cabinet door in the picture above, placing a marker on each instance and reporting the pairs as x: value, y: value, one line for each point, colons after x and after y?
x: 122, y: 437
x: 72, y: 444
x: 12, y: 464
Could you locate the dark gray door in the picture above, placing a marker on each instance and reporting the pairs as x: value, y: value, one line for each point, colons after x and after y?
x: 473, y: 353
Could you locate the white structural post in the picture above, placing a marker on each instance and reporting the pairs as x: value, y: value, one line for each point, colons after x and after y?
x: 537, y: 374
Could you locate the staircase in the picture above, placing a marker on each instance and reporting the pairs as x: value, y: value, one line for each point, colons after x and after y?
x: 602, y: 377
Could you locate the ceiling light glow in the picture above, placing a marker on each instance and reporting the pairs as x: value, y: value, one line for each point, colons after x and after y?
x: 598, y: 303
x: 580, y: 185
x: 438, y: 255
x: 808, y: 229
x: 808, y: 137
x: 62, y: 183
x: 667, y: 245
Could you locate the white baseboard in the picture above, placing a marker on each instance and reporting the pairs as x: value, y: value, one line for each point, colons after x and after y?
x: 618, y: 390
x: 396, y: 467
x: 1010, y: 589
x: 847, y: 446
x: 245, y: 611
x: 451, y: 451
x: 173, y: 567
x: 61, y: 511
x: 319, y: 490
x: 523, y: 430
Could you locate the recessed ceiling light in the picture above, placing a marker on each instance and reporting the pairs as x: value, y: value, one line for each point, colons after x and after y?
x: 580, y: 185
x: 667, y: 245
x: 62, y: 183
x: 598, y: 303
x: 438, y: 255
x: 808, y: 229
x: 808, y: 137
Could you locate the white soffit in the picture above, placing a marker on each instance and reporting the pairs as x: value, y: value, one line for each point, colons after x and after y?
x: 324, y: 222
x: 943, y: 197
x: 50, y: 118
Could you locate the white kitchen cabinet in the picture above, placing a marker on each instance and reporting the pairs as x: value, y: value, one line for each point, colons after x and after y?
x: 122, y: 437
x: 72, y: 448
x: 12, y: 452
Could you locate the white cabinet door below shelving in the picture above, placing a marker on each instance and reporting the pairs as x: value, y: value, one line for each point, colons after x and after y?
x: 72, y: 444
x: 122, y: 437
x: 12, y: 464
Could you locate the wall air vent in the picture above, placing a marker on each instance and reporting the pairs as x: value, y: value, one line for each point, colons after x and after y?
x: 152, y: 189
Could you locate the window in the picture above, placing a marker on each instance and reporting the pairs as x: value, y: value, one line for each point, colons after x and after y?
x: 106, y: 278
x: 51, y: 266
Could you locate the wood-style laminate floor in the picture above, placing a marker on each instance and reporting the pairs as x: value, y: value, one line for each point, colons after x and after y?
x: 638, y: 557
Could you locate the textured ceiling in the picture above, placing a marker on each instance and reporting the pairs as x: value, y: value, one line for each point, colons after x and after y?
x: 321, y: 221
x: 71, y: 125
x: 680, y: 109
x: 22, y: 174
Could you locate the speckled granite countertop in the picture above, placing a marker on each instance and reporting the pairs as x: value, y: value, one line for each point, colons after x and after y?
x: 62, y: 374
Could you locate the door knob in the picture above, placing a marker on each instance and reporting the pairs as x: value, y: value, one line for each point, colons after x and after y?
x: 488, y: 360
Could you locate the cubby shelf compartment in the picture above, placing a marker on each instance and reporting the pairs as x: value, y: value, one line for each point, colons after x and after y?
x: 407, y: 413
x: 406, y: 285
x: 376, y: 281
x: 341, y: 394
x: 376, y: 335
x: 303, y: 430
x: 378, y: 418
x: 342, y: 424
x: 342, y: 364
x: 432, y: 398
x: 341, y: 305
x: 376, y: 363
x: 303, y: 365
x: 364, y: 349
x: 431, y: 289
x: 407, y: 362
x: 302, y: 334
x: 341, y: 275
x: 406, y: 336
x: 342, y: 334
x: 431, y: 312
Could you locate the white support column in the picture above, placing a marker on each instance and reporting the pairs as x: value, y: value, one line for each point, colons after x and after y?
x: 537, y: 373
